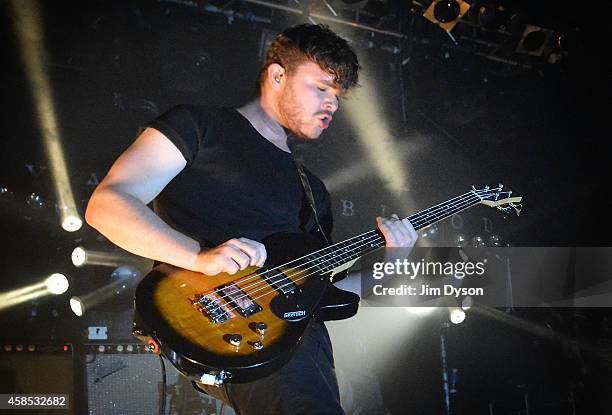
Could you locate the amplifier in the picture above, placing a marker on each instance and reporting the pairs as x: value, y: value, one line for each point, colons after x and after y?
x: 125, y: 378
x: 35, y: 368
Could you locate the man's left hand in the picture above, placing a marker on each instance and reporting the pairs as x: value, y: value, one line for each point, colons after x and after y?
x: 398, y: 233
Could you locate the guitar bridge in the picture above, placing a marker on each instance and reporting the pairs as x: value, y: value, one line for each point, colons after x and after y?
x: 225, y: 303
x: 213, y: 308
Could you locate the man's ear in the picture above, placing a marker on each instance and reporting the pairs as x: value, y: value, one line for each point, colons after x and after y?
x: 276, y: 76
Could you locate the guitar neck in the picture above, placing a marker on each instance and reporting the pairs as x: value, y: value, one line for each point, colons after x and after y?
x: 443, y: 210
x: 333, y: 256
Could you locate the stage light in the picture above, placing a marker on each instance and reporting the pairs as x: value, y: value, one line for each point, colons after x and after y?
x: 6, y: 196
x: 534, y: 40
x: 446, y: 13
x: 420, y: 311
x: 460, y: 240
x: 72, y: 223
x: 35, y: 201
x: 57, y: 284
x: 477, y: 241
x: 494, y: 240
x: 124, y: 278
x: 456, y: 315
x: 467, y: 302
x: 79, y: 256
x: 429, y: 232
x: 76, y: 306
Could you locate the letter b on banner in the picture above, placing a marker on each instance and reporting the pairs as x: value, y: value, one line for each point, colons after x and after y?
x: 347, y: 208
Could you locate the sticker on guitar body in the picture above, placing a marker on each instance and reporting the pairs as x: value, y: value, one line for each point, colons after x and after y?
x: 294, y: 314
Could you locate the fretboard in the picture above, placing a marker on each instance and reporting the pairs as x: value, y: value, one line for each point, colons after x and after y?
x: 333, y: 256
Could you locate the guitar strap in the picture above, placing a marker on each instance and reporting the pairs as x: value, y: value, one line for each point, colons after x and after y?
x: 309, y: 197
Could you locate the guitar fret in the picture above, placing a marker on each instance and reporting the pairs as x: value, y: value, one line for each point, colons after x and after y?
x: 448, y: 208
x: 324, y: 259
x: 342, y: 252
x: 316, y: 260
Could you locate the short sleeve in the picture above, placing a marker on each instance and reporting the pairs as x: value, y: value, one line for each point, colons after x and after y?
x: 183, y: 126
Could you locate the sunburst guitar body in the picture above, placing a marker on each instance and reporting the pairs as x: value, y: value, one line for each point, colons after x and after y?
x: 243, y: 326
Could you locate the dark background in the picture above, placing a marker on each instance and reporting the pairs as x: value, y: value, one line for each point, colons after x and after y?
x: 541, y: 130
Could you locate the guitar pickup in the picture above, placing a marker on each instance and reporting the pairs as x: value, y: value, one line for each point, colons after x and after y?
x: 238, y: 300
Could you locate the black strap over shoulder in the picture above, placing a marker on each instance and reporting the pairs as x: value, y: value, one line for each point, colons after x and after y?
x: 310, y: 197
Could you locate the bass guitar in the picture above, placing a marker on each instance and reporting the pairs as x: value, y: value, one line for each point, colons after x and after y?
x: 241, y: 327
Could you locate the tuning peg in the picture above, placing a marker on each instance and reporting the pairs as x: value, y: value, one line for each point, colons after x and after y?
x: 504, y: 209
x: 501, y: 186
x: 487, y: 188
x: 517, y: 208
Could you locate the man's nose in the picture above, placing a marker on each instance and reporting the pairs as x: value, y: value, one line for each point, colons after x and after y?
x: 330, y: 103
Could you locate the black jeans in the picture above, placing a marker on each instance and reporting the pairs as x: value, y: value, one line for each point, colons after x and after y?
x: 306, y: 384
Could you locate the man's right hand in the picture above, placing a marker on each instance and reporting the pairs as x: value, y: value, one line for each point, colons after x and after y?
x: 231, y: 256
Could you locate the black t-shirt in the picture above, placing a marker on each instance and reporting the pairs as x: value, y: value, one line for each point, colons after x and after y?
x: 236, y: 183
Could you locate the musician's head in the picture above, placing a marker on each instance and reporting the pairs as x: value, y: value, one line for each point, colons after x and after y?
x: 307, y: 69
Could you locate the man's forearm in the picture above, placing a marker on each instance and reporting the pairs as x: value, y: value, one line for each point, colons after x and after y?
x: 131, y: 225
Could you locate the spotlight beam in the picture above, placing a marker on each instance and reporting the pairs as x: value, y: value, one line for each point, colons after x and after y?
x: 127, y: 277
x: 365, y: 112
x: 20, y: 293
x: 81, y: 257
x: 53, y: 284
x: 28, y: 30
x: 11, y: 301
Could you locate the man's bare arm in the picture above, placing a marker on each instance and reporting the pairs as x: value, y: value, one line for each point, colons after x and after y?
x: 118, y: 209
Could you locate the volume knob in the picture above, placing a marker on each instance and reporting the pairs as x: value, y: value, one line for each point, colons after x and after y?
x: 235, y: 340
x: 261, y: 328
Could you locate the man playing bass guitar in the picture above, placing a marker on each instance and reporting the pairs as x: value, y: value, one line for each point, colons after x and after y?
x: 223, y: 179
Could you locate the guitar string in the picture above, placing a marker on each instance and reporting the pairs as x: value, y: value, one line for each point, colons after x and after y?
x: 359, y: 238
x: 317, y: 272
x: 422, y: 213
x: 265, y: 283
x: 375, y: 235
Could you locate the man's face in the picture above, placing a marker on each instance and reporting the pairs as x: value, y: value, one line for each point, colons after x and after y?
x: 308, y: 100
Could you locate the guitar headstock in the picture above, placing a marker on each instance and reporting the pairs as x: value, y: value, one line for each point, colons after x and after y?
x: 499, y: 198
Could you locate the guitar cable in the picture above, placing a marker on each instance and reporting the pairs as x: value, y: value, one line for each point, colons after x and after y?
x: 162, y: 408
